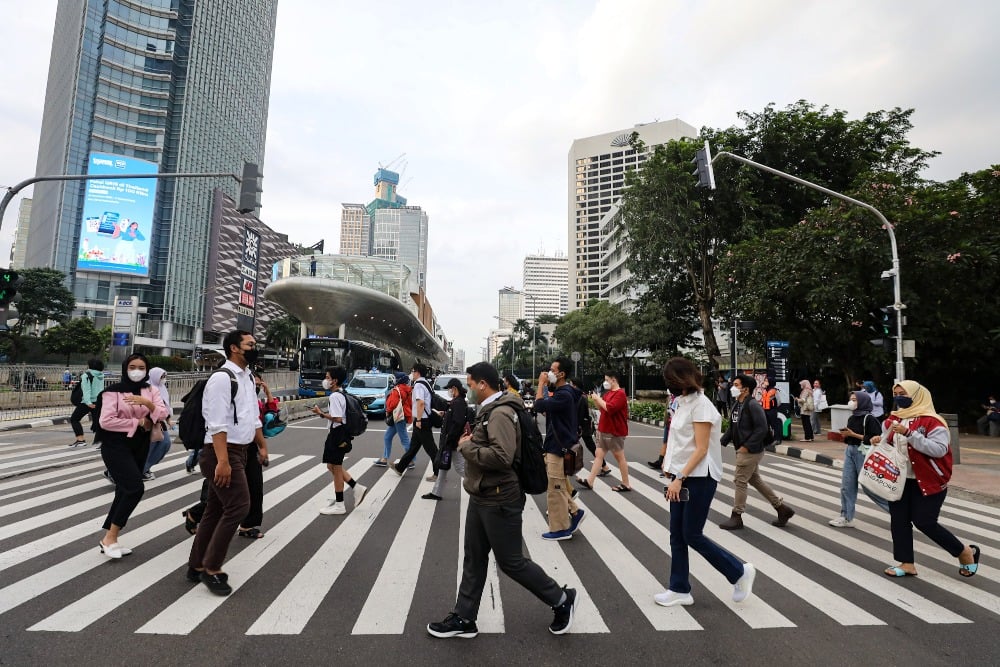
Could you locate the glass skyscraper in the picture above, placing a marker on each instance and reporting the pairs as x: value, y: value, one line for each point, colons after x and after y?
x: 183, y: 84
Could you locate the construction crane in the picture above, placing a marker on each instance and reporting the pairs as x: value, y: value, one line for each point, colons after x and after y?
x: 389, y: 165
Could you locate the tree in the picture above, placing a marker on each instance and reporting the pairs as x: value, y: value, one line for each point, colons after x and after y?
x: 73, y: 337
x: 282, y: 333
x: 44, y: 297
x: 597, y: 331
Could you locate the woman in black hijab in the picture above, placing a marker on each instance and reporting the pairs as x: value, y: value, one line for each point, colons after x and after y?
x: 129, y: 410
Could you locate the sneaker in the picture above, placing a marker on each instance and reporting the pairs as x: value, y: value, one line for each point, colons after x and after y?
x: 395, y: 468
x: 148, y: 476
x: 656, y: 465
x: 217, y: 583
x: 672, y: 599
x: 78, y: 443
x: 381, y: 463
x: 453, y: 626
x: 334, y: 508
x: 360, y: 491
x: 744, y: 585
x: 411, y: 466
x: 431, y: 496
x: 563, y: 619
x: 842, y: 522
x: 575, y: 520
x: 558, y: 535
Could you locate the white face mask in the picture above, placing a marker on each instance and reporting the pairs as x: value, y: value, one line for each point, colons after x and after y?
x: 136, y: 376
x: 606, y: 385
x: 327, y: 384
x: 553, y: 378
x: 853, y: 405
x: 734, y: 392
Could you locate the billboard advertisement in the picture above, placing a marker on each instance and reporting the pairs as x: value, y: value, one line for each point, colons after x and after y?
x: 246, y: 307
x: 117, y: 216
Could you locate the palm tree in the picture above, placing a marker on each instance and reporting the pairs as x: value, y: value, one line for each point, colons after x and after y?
x: 282, y: 333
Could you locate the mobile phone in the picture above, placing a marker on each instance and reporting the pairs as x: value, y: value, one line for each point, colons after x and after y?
x: 468, y: 429
x: 685, y: 494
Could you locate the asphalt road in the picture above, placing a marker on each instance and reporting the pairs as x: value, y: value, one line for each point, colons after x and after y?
x: 360, y: 588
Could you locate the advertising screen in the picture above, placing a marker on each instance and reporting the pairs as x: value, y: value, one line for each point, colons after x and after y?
x: 117, y: 216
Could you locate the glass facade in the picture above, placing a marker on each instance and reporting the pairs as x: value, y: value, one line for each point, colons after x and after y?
x: 182, y: 83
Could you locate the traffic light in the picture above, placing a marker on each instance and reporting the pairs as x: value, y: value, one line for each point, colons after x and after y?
x: 888, y: 321
x: 703, y: 169
x: 9, y: 282
x: 250, y: 188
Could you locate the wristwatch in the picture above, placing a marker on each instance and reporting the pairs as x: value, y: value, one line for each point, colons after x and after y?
x: 680, y: 477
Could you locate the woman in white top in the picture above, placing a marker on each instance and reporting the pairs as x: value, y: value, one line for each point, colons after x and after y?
x: 693, y: 465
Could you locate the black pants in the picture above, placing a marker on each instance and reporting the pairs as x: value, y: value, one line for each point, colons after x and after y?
x: 916, y: 509
x: 255, y: 482
x: 498, y: 528
x: 125, y: 459
x: 422, y: 437
x: 79, y: 413
x: 807, y: 427
x: 588, y: 441
x: 774, y: 422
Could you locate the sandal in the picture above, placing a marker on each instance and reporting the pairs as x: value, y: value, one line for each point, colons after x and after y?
x: 584, y: 483
x: 896, y: 571
x: 251, y: 533
x: 969, y: 569
x: 621, y: 488
x: 604, y: 473
x: 190, y: 525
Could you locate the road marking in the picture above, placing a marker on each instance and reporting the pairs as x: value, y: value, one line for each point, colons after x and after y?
x: 289, y: 613
x: 491, y: 605
x: 389, y: 600
x: 23, y: 459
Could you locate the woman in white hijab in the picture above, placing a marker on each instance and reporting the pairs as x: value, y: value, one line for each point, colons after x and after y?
x: 159, y: 449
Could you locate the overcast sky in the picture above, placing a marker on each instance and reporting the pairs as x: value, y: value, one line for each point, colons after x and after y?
x: 486, y: 98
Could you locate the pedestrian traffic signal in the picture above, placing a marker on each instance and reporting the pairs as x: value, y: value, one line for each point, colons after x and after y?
x: 250, y: 188
x: 888, y: 321
x: 703, y: 167
x: 9, y: 282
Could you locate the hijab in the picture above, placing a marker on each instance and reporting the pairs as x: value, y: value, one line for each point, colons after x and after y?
x: 923, y: 404
x: 126, y: 385
x: 864, y: 403
x: 806, y: 386
x: 156, y: 381
x: 869, y: 386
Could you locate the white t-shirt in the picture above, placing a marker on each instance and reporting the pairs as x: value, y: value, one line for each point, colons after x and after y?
x: 680, y: 442
x: 421, y: 392
x: 337, y: 408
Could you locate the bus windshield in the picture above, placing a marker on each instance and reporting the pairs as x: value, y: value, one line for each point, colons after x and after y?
x: 318, y: 358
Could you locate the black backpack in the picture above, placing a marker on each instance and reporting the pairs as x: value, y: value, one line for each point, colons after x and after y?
x: 76, y: 396
x: 191, y: 423
x: 529, y: 461
x: 355, y: 420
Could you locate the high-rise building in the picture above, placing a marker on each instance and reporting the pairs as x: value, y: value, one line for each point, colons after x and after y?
x: 355, y: 230
x: 597, y: 167
x: 21, y: 234
x: 153, y: 86
x: 546, y: 286
x: 511, y: 308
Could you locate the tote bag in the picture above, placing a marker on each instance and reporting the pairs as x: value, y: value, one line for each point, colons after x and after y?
x: 883, y: 470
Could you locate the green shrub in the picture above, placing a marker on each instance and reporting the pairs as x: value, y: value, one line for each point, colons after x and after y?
x: 649, y: 410
x: 169, y: 364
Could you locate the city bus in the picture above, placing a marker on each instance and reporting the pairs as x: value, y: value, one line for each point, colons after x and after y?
x: 316, y: 354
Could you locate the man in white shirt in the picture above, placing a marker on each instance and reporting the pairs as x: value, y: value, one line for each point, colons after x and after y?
x: 231, y: 424
x: 338, y: 442
x: 423, y: 433
x: 819, y: 401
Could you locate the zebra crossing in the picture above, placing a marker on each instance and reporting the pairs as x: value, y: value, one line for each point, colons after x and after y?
x: 55, y: 580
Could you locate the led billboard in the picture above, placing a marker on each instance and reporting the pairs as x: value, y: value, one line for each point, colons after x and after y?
x: 117, y: 216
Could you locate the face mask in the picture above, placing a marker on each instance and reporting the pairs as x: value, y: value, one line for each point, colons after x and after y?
x: 136, y: 376
x: 903, y: 402
x: 553, y: 378
x: 606, y: 385
x: 853, y: 405
x: 413, y: 378
x: 251, y: 356
x: 327, y: 384
x: 734, y: 392
x: 473, y: 393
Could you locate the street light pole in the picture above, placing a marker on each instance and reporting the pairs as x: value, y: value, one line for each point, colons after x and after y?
x: 534, y: 310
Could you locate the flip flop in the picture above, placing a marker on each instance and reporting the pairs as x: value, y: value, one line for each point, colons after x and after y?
x: 604, y: 473
x: 621, y: 488
x: 584, y: 483
x: 896, y: 571
x: 251, y: 533
x: 970, y: 569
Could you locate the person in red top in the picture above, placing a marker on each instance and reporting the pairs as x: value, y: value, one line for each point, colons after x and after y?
x: 400, y: 394
x: 612, y: 427
x: 917, y: 426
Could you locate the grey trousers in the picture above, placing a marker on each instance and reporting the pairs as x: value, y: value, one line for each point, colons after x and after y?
x: 457, y: 464
x: 498, y: 528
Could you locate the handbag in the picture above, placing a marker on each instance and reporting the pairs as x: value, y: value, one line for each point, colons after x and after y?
x: 156, y: 433
x: 399, y: 412
x: 882, y: 471
x: 444, y: 459
x: 573, y: 459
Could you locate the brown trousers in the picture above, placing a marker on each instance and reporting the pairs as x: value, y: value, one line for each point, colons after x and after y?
x: 224, y: 509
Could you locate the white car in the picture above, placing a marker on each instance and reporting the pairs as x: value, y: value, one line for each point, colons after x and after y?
x: 441, y: 382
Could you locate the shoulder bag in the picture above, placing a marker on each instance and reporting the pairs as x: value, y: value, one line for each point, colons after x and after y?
x: 882, y: 473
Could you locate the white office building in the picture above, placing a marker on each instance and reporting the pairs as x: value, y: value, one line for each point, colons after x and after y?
x: 355, y: 229
x: 400, y: 235
x: 511, y: 308
x: 597, y: 167
x: 17, y: 251
x: 546, y: 286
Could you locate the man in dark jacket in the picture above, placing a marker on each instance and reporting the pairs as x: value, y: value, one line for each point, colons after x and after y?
x: 493, y: 519
x: 748, y: 431
x: 560, y: 410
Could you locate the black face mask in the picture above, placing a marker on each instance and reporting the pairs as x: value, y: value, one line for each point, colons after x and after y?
x: 251, y: 356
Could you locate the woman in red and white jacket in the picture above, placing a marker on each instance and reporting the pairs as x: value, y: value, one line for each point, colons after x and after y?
x: 917, y: 426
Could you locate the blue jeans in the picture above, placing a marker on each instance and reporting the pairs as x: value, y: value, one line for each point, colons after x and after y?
x: 687, y: 521
x: 157, y: 450
x: 853, y: 461
x: 404, y: 438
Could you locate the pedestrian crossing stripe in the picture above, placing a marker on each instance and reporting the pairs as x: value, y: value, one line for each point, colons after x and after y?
x: 294, y: 607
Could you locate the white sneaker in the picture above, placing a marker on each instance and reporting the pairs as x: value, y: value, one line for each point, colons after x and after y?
x: 744, y: 585
x: 112, y: 550
x: 334, y: 508
x: 360, y: 491
x: 672, y: 599
x: 841, y: 522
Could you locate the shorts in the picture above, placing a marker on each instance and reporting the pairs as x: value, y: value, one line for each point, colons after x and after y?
x: 336, y: 447
x: 610, y: 443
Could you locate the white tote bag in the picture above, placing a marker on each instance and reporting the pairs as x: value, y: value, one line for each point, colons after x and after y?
x: 883, y: 472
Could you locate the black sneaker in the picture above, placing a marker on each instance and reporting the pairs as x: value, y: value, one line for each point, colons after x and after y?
x: 193, y: 575
x: 655, y: 465
x: 453, y: 626
x: 563, y: 619
x: 217, y: 583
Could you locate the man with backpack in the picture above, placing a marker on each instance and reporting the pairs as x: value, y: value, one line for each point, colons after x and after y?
x: 232, y: 423
x: 496, y: 503
x: 84, y: 399
x: 338, y: 441
x: 423, y: 431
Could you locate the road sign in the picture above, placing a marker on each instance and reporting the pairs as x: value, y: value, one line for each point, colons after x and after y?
x: 575, y: 356
x: 777, y: 359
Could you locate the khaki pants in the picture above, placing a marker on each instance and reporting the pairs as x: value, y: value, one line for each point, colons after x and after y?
x: 560, y: 502
x: 746, y: 473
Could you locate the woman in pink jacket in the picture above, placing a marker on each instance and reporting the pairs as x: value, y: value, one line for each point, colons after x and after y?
x: 130, y: 410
